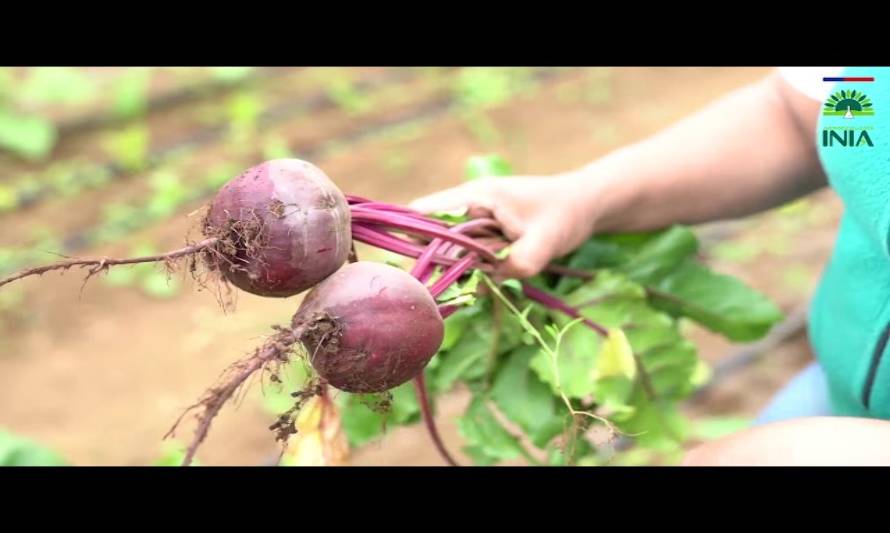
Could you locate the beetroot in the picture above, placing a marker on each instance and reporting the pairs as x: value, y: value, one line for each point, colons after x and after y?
x: 284, y: 226
x: 369, y: 327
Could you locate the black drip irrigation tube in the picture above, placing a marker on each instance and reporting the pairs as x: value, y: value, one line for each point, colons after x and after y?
x: 793, y: 325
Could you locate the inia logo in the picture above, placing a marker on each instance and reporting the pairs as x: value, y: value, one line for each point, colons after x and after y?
x: 846, y: 138
x: 848, y: 105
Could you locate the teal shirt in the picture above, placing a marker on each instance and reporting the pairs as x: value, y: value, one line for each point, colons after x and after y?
x: 850, y: 315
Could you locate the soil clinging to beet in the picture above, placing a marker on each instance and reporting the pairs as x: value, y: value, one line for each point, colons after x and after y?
x: 285, y: 227
x: 369, y: 328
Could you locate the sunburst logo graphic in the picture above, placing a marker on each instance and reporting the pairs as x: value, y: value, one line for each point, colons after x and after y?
x: 848, y: 104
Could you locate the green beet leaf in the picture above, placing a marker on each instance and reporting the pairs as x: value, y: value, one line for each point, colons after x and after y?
x: 525, y: 399
x: 364, y: 419
x: 486, y: 438
x: 721, y: 303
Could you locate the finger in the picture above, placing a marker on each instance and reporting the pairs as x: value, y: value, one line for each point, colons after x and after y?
x: 528, y: 255
x: 475, y: 194
x: 479, y: 212
x: 447, y: 200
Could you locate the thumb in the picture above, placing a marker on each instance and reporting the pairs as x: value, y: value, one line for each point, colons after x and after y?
x: 468, y: 195
x: 529, y: 254
x: 447, y: 200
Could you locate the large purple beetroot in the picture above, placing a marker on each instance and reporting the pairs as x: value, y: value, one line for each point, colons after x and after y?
x: 369, y: 327
x: 284, y: 226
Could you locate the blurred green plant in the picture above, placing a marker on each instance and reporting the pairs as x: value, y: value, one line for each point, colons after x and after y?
x: 118, y: 219
x: 277, y: 396
x: 361, y: 419
x: 242, y: 111
x: 6, y: 81
x: 172, y: 454
x: 67, y: 178
x: 129, y: 147
x: 477, y: 90
x: 275, y: 147
x: 219, y: 174
x: 9, y: 198
x: 148, y: 277
x: 168, y: 194
x: 479, y: 166
x: 24, y: 128
x: 16, y: 450
x: 632, y: 457
x: 364, y: 421
x: 42, y: 248
x: 485, y: 87
x: 231, y: 74
x: 62, y: 85
x: 130, y: 93
x: 343, y: 92
x: 717, y: 427
x: 31, y: 137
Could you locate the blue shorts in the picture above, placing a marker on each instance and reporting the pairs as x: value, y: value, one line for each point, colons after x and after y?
x: 805, y: 395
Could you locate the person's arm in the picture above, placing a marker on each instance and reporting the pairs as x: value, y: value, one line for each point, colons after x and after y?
x: 816, y: 441
x: 750, y: 151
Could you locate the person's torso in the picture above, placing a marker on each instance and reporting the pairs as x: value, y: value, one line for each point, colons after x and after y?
x: 850, y: 316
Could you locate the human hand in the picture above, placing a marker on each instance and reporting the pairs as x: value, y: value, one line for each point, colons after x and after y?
x: 545, y: 216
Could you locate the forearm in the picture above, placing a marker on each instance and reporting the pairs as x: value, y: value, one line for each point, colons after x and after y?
x: 815, y: 441
x: 741, y: 155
